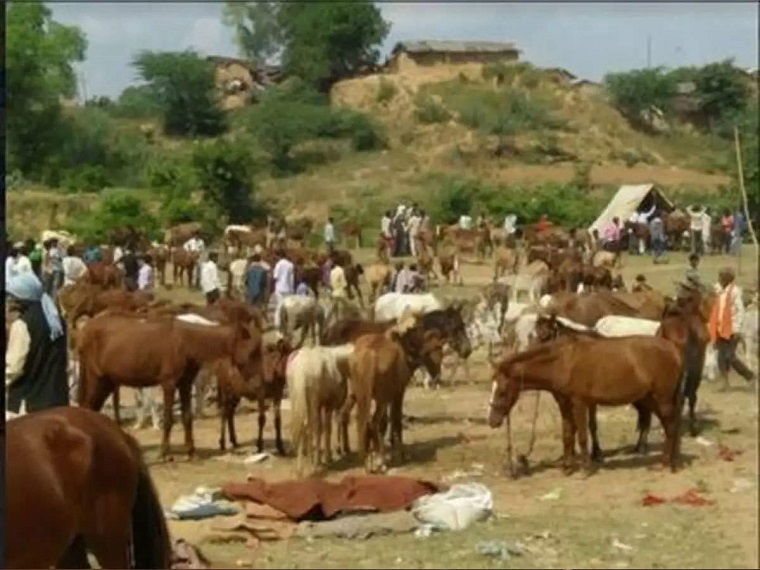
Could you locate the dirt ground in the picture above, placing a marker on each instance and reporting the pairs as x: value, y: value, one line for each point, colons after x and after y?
x: 594, y: 522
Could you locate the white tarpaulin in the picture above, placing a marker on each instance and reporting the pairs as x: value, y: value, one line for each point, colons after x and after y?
x: 625, y: 202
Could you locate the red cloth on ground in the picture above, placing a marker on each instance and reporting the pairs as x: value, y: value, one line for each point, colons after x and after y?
x: 317, y: 499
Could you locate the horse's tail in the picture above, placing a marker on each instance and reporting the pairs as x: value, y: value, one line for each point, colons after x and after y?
x: 299, y: 405
x: 150, y: 536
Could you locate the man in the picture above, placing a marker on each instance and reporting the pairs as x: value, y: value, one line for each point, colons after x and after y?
x: 612, y: 235
x: 93, y: 255
x: 23, y: 263
x: 707, y: 229
x: 740, y: 226
x: 695, y: 227
x: 402, y: 279
x: 725, y: 325
x: 385, y: 230
x: 209, y: 279
x: 414, y: 231
x: 657, y: 233
x: 73, y: 267
x: 197, y: 246
x: 256, y: 281
x: 727, y: 225
x: 543, y: 223
x: 510, y: 224
x: 283, y: 275
x: 10, y: 264
x: 338, y: 283
x: 131, y: 269
x: 145, y: 273
x: 692, y: 273
x: 35, y: 256
x: 36, y: 355
x: 55, y: 267
x: 329, y: 235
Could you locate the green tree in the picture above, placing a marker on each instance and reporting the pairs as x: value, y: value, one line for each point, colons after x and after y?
x: 137, y: 102
x: 320, y: 42
x: 39, y: 59
x: 225, y: 174
x: 722, y: 90
x: 116, y: 209
x: 640, y: 89
x: 183, y: 83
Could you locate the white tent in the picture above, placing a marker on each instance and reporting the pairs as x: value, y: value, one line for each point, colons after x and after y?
x: 628, y: 200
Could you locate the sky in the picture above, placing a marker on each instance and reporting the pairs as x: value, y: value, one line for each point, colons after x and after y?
x: 588, y: 39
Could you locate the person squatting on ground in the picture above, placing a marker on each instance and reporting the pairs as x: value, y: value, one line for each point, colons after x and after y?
x: 725, y: 325
x: 36, y: 354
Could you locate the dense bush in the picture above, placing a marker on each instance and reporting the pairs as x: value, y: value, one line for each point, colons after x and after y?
x: 564, y: 204
x: 429, y: 111
x: 386, y: 91
x: 117, y: 209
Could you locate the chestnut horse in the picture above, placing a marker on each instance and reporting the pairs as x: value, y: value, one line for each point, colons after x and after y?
x: 76, y: 482
x: 581, y: 372
x: 121, y: 349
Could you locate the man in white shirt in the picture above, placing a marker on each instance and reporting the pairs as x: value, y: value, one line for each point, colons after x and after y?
x: 695, y: 226
x: 23, y: 265
x: 196, y: 245
x: 73, y: 267
x: 283, y: 275
x: 706, y: 228
x: 329, y: 235
x: 510, y: 224
x: 414, y: 231
x: 209, y: 277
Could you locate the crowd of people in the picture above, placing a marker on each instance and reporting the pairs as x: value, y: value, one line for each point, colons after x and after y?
x: 732, y: 225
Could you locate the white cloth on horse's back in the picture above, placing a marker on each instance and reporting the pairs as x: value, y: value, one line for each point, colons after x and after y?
x: 617, y: 326
x: 237, y: 228
x: 455, y: 509
x: 197, y: 320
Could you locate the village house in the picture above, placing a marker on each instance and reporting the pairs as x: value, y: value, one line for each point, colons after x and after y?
x: 240, y: 81
x: 425, y: 53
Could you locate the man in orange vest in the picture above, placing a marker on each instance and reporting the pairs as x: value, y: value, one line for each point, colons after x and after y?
x: 726, y: 324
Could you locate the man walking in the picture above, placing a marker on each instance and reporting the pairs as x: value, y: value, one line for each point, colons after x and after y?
x: 725, y: 325
x: 657, y: 233
x: 196, y: 245
x: 283, y: 276
x: 145, y: 273
x: 256, y: 281
x: 209, y: 277
x: 695, y: 227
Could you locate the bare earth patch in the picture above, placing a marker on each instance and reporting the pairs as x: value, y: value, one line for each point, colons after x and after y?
x: 594, y: 522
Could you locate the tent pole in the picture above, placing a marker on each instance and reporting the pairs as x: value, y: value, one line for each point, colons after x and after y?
x: 742, y: 189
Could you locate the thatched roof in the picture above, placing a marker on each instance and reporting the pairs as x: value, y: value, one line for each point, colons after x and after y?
x: 453, y: 46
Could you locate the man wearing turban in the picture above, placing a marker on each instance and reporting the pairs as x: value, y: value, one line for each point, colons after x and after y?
x: 36, y: 352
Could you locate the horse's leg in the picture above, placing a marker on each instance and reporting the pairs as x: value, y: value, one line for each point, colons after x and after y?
x: 327, y: 426
x: 644, y: 424
x: 262, y: 423
x: 75, y: 555
x: 316, y: 435
x: 345, y: 418
x: 596, y: 450
x: 232, y: 407
x: 169, y: 389
x: 397, y: 427
x: 277, y: 405
x: 186, y: 402
x: 223, y: 425
x: 580, y: 417
x: 568, y: 434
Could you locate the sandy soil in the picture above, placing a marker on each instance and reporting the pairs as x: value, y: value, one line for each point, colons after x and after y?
x: 583, y: 527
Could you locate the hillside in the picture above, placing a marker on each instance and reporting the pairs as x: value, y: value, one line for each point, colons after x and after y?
x: 507, y: 125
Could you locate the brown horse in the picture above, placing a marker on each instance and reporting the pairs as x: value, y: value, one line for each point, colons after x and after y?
x: 587, y: 309
x: 75, y: 481
x: 585, y: 372
x: 122, y: 349
x: 184, y: 265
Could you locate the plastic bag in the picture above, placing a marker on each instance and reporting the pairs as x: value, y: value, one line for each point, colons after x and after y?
x: 457, y: 508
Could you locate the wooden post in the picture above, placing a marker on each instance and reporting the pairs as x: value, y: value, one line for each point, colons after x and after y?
x: 740, y: 170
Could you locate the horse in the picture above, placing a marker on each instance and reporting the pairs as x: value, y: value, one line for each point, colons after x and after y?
x: 581, y: 372
x: 121, y: 349
x: 317, y: 384
x: 76, y: 481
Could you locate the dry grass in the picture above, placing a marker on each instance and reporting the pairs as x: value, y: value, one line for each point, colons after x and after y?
x: 450, y: 433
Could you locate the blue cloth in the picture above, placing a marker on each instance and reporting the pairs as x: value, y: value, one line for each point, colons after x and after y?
x: 92, y: 255
x: 27, y: 287
x: 255, y: 282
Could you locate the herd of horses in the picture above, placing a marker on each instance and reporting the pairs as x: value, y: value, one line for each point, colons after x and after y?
x: 359, y: 369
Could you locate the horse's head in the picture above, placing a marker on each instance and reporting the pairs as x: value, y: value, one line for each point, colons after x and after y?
x: 504, y: 393
x: 547, y: 327
x: 456, y: 330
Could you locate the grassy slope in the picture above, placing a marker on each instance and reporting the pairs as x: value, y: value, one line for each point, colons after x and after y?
x: 593, y: 134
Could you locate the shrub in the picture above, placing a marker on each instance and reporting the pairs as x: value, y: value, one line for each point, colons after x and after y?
x: 386, y: 91
x: 638, y: 90
x: 117, y: 209
x: 428, y: 111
